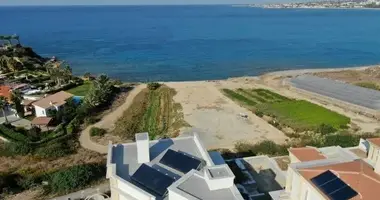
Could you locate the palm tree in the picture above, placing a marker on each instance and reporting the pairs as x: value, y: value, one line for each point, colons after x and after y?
x: 3, y: 106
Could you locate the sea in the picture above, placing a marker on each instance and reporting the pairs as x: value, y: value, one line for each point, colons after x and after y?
x: 183, y: 43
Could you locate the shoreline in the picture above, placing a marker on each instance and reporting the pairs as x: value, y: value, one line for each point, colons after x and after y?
x: 290, y: 72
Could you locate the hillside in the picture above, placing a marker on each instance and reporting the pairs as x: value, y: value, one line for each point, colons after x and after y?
x: 15, y: 58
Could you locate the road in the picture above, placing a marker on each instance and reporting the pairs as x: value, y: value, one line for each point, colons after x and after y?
x: 107, y: 122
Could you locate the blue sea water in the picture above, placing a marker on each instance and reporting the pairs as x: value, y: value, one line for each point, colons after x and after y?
x: 146, y: 43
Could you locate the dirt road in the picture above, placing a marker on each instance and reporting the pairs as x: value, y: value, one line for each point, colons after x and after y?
x: 107, y: 122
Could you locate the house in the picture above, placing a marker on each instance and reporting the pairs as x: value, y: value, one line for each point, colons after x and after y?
x: 51, y: 102
x: 168, y: 169
x: 332, y: 173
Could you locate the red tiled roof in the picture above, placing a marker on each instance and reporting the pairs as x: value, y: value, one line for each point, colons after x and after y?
x: 41, y: 121
x: 5, y: 91
x: 359, y: 175
x: 375, y: 141
x: 306, y: 154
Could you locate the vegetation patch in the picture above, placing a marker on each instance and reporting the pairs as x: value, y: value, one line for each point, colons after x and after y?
x: 81, y: 90
x: 153, y: 111
x: 369, y: 85
x: 299, y: 115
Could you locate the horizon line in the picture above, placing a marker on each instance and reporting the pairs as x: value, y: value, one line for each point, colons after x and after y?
x: 63, y: 5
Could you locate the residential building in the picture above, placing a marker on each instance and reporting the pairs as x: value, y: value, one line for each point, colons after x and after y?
x: 168, y: 169
x: 51, y: 102
x: 333, y: 173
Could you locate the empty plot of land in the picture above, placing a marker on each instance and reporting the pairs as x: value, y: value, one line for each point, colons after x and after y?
x: 297, y: 114
x: 217, y: 119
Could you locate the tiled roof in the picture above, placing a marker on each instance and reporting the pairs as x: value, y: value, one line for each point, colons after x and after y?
x: 56, y: 99
x: 41, y: 121
x: 375, y: 141
x: 306, y: 154
x: 359, y: 175
x: 5, y: 91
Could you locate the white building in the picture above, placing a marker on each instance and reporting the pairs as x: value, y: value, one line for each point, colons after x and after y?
x: 333, y: 173
x: 51, y: 102
x: 167, y: 169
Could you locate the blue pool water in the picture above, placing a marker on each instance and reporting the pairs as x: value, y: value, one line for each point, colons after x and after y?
x: 149, y: 43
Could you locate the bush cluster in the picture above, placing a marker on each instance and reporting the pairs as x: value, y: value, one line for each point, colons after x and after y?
x: 66, y: 180
x: 95, y: 131
x: 153, y: 86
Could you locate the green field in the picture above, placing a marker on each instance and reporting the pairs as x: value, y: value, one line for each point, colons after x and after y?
x: 299, y: 115
x: 152, y: 111
x: 81, y: 90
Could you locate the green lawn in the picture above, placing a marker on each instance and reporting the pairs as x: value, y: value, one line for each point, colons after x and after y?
x: 297, y: 114
x: 303, y: 115
x: 80, y: 90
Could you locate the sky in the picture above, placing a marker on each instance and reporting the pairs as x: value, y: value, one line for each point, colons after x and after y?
x: 123, y: 2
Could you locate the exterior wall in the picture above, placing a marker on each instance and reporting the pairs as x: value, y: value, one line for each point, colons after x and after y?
x: 40, y: 112
x: 373, y: 153
x: 299, y: 188
x: 293, y: 159
x: 132, y: 190
x: 173, y: 195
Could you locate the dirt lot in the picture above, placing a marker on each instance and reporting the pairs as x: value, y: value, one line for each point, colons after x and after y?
x: 216, y: 118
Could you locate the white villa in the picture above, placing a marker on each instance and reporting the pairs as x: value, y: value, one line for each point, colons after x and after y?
x: 168, y: 169
x: 51, y: 102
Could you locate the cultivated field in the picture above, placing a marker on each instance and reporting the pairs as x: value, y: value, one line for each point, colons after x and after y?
x: 152, y: 111
x: 299, y: 115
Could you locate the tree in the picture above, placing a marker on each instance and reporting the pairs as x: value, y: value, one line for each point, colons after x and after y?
x: 16, y: 98
x: 100, y: 91
x: 3, y: 106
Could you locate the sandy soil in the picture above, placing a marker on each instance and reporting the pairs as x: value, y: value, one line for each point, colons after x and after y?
x: 216, y: 118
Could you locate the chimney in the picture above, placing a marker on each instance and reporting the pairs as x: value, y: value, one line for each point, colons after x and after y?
x: 219, y: 177
x: 51, y: 103
x: 142, y: 144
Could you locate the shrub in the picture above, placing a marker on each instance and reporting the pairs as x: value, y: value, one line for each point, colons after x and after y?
x: 17, y: 148
x: 75, y: 177
x: 53, y: 150
x: 326, y: 129
x: 73, y: 126
x: 259, y: 113
x: 265, y: 147
x: 153, y: 86
x: 95, y: 131
x: 8, y: 132
x: 90, y: 120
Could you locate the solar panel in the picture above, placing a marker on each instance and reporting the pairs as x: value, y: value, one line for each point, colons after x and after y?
x: 152, y: 179
x: 333, y: 187
x: 180, y: 161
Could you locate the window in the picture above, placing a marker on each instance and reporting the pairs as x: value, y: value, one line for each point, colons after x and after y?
x: 43, y: 112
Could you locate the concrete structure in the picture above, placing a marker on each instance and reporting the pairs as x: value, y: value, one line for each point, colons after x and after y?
x: 207, y: 181
x: 362, y: 174
x: 51, y: 102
